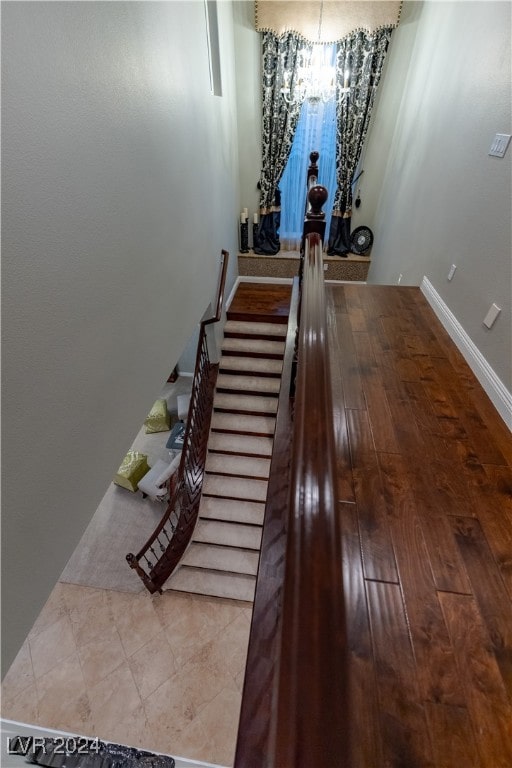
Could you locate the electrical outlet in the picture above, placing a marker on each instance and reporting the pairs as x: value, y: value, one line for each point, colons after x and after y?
x: 399, y: 278
x: 491, y: 316
x: 326, y: 267
x: 451, y: 272
x: 499, y: 145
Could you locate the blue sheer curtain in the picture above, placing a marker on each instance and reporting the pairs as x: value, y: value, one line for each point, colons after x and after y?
x: 316, y: 131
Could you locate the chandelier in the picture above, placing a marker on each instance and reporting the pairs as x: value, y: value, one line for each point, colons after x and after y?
x: 315, y: 82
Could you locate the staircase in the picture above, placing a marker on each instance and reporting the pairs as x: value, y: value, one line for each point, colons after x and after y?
x: 222, y: 559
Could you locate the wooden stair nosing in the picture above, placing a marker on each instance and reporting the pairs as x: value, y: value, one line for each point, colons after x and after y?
x: 233, y: 498
x: 233, y: 522
x: 229, y: 547
x: 227, y: 473
x: 230, y: 390
x: 259, y: 355
x: 243, y: 372
x: 243, y: 411
x: 247, y: 433
x: 226, y: 452
x: 257, y: 317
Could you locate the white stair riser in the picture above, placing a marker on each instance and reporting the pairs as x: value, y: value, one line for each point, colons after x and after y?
x: 214, y: 583
x: 230, y: 510
x: 247, y: 328
x: 234, y: 487
x: 226, y: 559
x: 239, y: 466
x: 254, y: 384
x: 243, y: 424
x: 257, y: 347
x: 256, y: 366
x: 244, y: 445
x: 248, y: 404
x: 228, y: 534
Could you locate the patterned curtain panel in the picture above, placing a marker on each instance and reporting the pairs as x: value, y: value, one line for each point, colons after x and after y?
x: 360, y: 57
x: 281, y: 58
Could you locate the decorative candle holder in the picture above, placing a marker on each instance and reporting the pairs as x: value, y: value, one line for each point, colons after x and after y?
x: 244, y: 237
x: 255, y: 228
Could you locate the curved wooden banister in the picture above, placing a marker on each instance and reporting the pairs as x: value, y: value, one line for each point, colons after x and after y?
x: 295, y: 701
x: 161, y: 553
x: 311, y: 715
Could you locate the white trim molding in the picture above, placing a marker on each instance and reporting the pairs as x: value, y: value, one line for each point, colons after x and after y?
x: 492, y: 384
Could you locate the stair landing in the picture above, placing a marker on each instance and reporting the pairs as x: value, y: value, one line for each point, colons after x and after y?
x: 261, y: 302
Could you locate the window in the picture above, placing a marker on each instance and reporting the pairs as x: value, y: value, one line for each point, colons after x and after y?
x: 316, y: 130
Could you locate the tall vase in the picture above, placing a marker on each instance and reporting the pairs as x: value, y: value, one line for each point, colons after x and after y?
x: 244, y: 237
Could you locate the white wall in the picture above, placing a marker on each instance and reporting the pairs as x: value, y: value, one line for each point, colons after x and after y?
x: 248, y: 91
x: 120, y: 187
x: 440, y: 198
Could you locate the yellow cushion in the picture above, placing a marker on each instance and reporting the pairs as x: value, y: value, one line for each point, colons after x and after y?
x: 159, y: 418
x: 134, y: 467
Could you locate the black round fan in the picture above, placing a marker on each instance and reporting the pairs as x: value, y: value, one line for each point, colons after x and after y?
x: 361, y: 240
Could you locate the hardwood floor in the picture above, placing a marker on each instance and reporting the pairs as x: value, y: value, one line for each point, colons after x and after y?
x: 261, y: 302
x: 425, y: 498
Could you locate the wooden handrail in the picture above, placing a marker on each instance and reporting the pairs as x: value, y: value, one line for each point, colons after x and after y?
x: 224, y: 258
x: 311, y: 724
x: 295, y: 700
x: 161, y: 553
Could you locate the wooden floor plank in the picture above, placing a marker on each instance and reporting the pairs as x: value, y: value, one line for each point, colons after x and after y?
x: 406, y: 740
x: 478, y: 433
x: 366, y: 737
x: 452, y: 736
x: 436, y: 667
x: 489, y: 591
x: 375, y: 396
x: 444, y: 557
x: 376, y: 543
x: 345, y: 483
x: 261, y: 302
x: 426, y: 538
x: 487, y: 701
x: 352, y: 385
x: 479, y: 399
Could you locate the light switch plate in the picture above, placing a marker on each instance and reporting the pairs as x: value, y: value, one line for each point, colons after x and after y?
x: 451, y: 272
x: 499, y: 145
x: 491, y: 316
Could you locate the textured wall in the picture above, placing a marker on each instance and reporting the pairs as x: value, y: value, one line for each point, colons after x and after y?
x: 248, y: 91
x: 430, y: 191
x: 120, y: 187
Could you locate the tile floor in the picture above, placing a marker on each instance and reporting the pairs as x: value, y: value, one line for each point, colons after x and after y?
x: 161, y: 672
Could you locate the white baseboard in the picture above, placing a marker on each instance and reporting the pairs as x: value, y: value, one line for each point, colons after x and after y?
x: 492, y: 384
